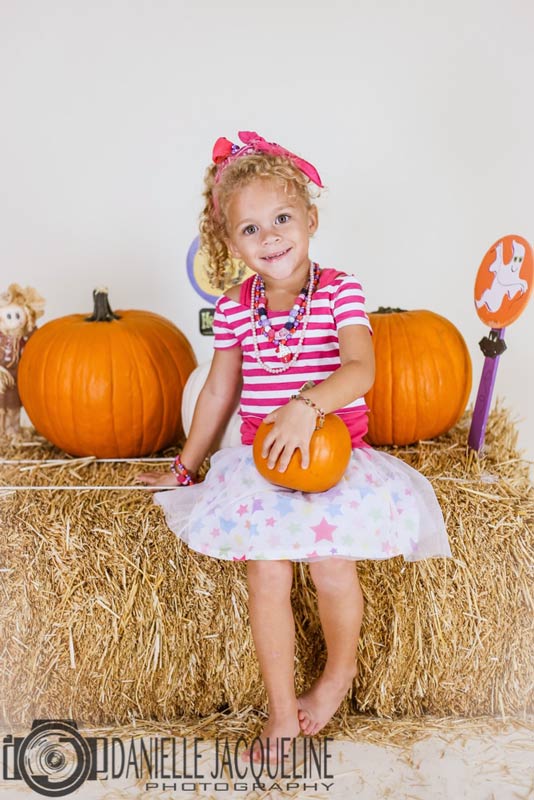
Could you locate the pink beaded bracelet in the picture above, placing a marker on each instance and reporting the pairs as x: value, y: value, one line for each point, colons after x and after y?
x: 181, y: 473
x: 319, y: 411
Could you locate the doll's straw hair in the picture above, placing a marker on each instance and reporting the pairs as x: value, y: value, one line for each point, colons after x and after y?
x: 29, y: 299
x: 238, y: 174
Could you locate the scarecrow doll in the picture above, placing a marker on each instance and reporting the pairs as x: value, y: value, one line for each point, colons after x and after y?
x: 19, y: 310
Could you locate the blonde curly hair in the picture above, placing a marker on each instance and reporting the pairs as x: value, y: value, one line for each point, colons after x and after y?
x: 213, y: 219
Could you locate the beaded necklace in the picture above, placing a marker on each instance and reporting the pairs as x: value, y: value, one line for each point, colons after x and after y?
x: 299, y: 312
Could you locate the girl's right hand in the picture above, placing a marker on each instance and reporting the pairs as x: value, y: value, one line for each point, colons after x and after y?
x: 157, y: 479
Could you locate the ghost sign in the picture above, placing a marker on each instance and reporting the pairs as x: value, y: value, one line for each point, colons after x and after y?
x: 503, y: 287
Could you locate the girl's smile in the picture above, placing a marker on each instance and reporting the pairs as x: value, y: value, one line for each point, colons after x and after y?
x: 270, y: 231
x: 276, y: 256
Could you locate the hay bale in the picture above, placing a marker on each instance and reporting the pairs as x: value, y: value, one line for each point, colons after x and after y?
x: 106, y: 617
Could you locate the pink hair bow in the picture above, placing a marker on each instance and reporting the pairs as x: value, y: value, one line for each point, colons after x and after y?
x: 224, y: 152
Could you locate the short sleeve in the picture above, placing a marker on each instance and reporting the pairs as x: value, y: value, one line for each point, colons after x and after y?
x: 224, y: 335
x: 349, y: 304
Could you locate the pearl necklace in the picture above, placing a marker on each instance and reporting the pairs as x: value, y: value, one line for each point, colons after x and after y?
x: 284, y: 352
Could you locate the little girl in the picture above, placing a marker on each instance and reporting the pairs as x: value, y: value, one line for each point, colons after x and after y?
x: 293, y: 342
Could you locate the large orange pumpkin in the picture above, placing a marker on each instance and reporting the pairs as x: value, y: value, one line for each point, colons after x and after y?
x: 423, y: 376
x: 330, y: 449
x: 109, y: 385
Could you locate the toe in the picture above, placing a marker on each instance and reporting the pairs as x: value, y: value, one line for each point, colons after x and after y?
x: 308, y: 726
x: 250, y: 754
x: 254, y: 754
x: 304, y: 720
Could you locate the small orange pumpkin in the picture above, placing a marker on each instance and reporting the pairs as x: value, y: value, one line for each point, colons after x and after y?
x: 423, y: 376
x: 109, y: 385
x: 330, y: 449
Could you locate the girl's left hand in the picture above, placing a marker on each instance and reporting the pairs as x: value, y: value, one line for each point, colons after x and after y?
x: 293, y: 426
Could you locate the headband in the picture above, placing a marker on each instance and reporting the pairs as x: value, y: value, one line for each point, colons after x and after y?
x: 225, y: 152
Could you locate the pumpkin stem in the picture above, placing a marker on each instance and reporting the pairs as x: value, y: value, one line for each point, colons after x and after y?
x: 102, y: 310
x: 388, y: 310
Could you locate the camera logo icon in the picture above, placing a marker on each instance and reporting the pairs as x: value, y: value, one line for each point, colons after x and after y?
x: 53, y: 758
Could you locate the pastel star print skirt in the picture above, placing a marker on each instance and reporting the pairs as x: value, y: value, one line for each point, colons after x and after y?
x: 381, y: 508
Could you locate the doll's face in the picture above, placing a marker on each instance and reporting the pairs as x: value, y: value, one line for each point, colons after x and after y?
x: 13, y: 318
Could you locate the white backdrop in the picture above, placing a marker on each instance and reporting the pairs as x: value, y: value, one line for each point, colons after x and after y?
x: 417, y: 115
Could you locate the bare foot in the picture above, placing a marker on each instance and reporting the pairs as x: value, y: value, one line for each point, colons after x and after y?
x: 277, y: 727
x: 318, y: 705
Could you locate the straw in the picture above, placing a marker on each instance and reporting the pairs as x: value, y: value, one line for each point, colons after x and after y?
x: 107, y: 618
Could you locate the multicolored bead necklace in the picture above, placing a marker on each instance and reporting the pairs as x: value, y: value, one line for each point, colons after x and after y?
x: 300, y: 312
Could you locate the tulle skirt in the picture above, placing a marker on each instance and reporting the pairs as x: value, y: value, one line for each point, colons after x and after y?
x: 381, y: 508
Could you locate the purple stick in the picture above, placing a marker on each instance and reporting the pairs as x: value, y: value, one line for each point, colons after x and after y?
x: 485, y: 389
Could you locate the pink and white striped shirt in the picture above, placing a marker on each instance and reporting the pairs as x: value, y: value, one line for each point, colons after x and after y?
x: 337, y: 301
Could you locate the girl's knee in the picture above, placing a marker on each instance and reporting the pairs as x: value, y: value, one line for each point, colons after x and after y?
x: 334, y: 575
x: 270, y: 578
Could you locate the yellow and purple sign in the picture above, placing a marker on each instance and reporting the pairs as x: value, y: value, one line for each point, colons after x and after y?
x: 198, y: 272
